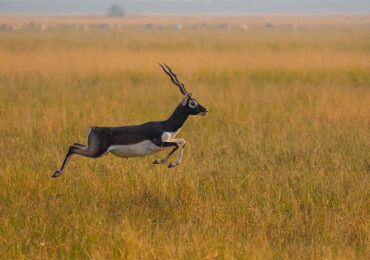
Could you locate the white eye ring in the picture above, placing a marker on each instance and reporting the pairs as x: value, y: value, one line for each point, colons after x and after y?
x: 193, y: 104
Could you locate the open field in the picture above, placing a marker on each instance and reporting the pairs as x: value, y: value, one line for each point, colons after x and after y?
x: 278, y: 169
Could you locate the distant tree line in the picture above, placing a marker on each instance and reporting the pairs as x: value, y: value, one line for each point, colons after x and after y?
x: 116, y: 11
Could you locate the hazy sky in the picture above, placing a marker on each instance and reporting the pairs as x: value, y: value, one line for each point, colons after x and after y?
x: 186, y: 6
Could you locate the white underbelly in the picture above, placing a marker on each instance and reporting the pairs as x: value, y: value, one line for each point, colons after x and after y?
x: 134, y: 150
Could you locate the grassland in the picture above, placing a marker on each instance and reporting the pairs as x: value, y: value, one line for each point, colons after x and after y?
x: 278, y: 169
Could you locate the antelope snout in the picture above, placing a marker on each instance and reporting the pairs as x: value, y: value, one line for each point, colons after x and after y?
x: 204, y: 112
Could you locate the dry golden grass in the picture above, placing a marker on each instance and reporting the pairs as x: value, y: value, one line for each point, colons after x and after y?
x: 278, y: 169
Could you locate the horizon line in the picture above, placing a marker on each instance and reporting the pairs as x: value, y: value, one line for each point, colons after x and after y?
x: 190, y: 14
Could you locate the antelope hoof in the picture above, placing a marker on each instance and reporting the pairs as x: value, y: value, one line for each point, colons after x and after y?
x: 173, y: 164
x: 57, y: 174
x: 158, y: 162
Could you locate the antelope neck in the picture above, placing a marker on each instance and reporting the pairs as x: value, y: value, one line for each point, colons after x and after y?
x: 176, y: 120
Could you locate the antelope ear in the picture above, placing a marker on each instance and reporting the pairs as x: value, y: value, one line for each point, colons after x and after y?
x: 184, y: 101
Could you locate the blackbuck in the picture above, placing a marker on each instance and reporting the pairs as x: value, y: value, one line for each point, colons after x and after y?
x: 140, y: 140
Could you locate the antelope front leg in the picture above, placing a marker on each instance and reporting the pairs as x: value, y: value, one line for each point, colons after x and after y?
x: 165, y: 159
x: 167, y: 144
x: 181, y: 143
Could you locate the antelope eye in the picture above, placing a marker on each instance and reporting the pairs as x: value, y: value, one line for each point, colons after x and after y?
x: 192, y: 104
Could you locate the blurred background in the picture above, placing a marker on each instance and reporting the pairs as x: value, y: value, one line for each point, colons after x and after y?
x: 184, y: 6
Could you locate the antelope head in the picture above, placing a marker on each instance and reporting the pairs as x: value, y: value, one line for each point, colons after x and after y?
x: 191, y: 106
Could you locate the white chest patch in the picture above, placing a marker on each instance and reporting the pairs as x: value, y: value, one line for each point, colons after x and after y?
x: 134, y: 150
x: 169, y: 136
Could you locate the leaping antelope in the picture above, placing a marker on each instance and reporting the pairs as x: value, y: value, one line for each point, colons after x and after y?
x: 140, y: 140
